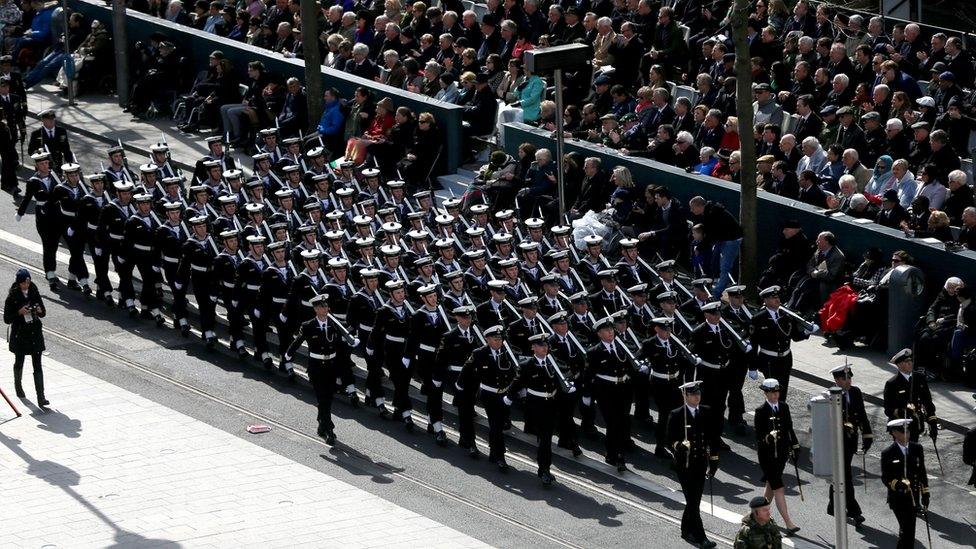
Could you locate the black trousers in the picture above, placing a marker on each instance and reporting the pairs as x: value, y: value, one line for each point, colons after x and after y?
x: 464, y: 401
x: 667, y: 397
x: 148, y: 296
x: 853, y: 509
x: 206, y: 302
x: 565, y: 424
x: 497, y: 413
x: 735, y: 377
x: 905, y: 515
x: 49, y: 229
x: 100, y: 257
x: 322, y: 376
x: 374, y: 380
x: 38, y: 373
x: 543, y: 412
x: 778, y: 367
x: 179, y: 306
x: 692, y: 486
x: 76, y: 248
x: 400, y: 375
x: 642, y: 397
x: 8, y: 163
x: 614, y: 401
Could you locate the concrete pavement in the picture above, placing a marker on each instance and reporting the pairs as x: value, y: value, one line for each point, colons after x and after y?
x: 107, y: 466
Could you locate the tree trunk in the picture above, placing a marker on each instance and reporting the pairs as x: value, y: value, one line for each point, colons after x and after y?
x: 313, y: 61
x: 748, y: 261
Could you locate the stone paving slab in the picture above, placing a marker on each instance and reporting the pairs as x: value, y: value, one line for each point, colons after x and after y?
x: 105, y: 466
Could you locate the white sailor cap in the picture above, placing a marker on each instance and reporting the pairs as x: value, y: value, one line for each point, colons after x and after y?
x: 769, y: 385
x: 691, y: 387
x: 899, y: 424
x: 593, y: 240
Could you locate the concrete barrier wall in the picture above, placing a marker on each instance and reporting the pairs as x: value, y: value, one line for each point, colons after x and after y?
x: 196, y: 46
x: 854, y: 238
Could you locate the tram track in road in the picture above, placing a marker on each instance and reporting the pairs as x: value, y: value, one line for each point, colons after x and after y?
x: 367, y: 464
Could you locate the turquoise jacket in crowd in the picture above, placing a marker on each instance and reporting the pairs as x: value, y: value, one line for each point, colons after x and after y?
x: 530, y: 96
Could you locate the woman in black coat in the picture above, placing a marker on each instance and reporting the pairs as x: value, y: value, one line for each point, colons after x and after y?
x: 23, y: 310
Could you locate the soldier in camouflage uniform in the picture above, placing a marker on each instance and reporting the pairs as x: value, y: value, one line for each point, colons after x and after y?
x: 759, y: 530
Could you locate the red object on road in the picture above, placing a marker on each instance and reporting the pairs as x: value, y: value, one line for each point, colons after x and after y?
x: 258, y: 428
x: 12, y: 407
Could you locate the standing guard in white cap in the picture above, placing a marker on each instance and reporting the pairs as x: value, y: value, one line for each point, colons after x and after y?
x: 47, y: 221
x: 693, y: 435
x: 92, y: 206
x: 387, y: 347
x: 196, y: 269
x: 170, y: 237
x: 224, y: 278
x: 66, y: 200
x: 427, y: 329
x: 607, y: 378
x: 773, y: 329
x: 668, y: 366
x: 776, y: 443
x: 111, y: 228
x: 275, y: 288
x: 247, y: 285
x: 140, y: 238
x: 903, y: 472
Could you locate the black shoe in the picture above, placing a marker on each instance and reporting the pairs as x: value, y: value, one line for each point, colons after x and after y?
x: 145, y: 314
x: 42, y: 402
x: 242, y: 353
x: 268, y: 364
x: 160, y: 321
x: 73, y: 285
x: 109, y: 300
x: 724, y: 447
x: 707, y: 544
x: 502, y: 466
x: 87, y: 290
x: 858, y: 520
x: 610, y: 461
x: 185, y: 330
x: 292, y: 378
x: 408, y: 421
x: 547, y: 478
x: 54, y: 284
x: 430, y: 428
x: 20, y: 392
x: 384, y: 413
x: 577, y: 451
x: 621, y: 466
x: 473, y: 452
x: 321, y: 431
x: 330, y: 438
x: 353, y: 399
x: 210, y: 342
x: 791, y: 531
x: 508, y: 425
x: 441, y: 438
x: 133, y: 312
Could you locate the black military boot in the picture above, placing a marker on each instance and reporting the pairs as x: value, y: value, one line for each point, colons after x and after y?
x: 18, y: 386
x: 39, y: 387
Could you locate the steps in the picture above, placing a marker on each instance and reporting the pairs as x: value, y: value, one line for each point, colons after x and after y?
x: 456, y: 182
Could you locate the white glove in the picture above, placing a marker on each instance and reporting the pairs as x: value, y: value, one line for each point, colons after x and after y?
x: 98, y: 252
x: 282, y: 318
x: 748, y: 347
x: 698, y: 360
x: 587, y: 401
x: 436, y: 383
x: 233, y: 303
x: 814, y: 329
x: 71, y: 232
x: 507, y: 401
x: 522, y: 393
x: 19, y: 217
x: 457, y: 387
x: 406, y: 362
x: 176, y: 285
x: 286, y: 358
x: 121, y: 260
x: 257, y: 313
x: 369, y: 352
x: 571, y: 390
x: 356, y: 342
x: 643, y: 369
x: 156, y: 269
x: 754, y: 374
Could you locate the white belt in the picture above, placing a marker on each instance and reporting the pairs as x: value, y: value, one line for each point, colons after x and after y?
x: 279, y: 300
x: 92, y: 226
x: 226, y: 284
x: 253, y: 286
x: 169, y: 259
x: 395, y: 339
x: 612, y: 379
x: 198, y: 268
x: 710, y: 365
x: 365, y: 328
x: 428, y: 348
x: 69, y: 214
x: 664, y: 376
x: 455, y: 368
x: 114, y: 236
x: 767, y: 352
x: 490, y: 389
x: 540, y: 394
x: 142, y: 247
x: 317, y: 356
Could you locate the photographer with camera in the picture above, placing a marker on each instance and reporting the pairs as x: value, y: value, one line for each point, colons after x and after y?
x: 23, y: 310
